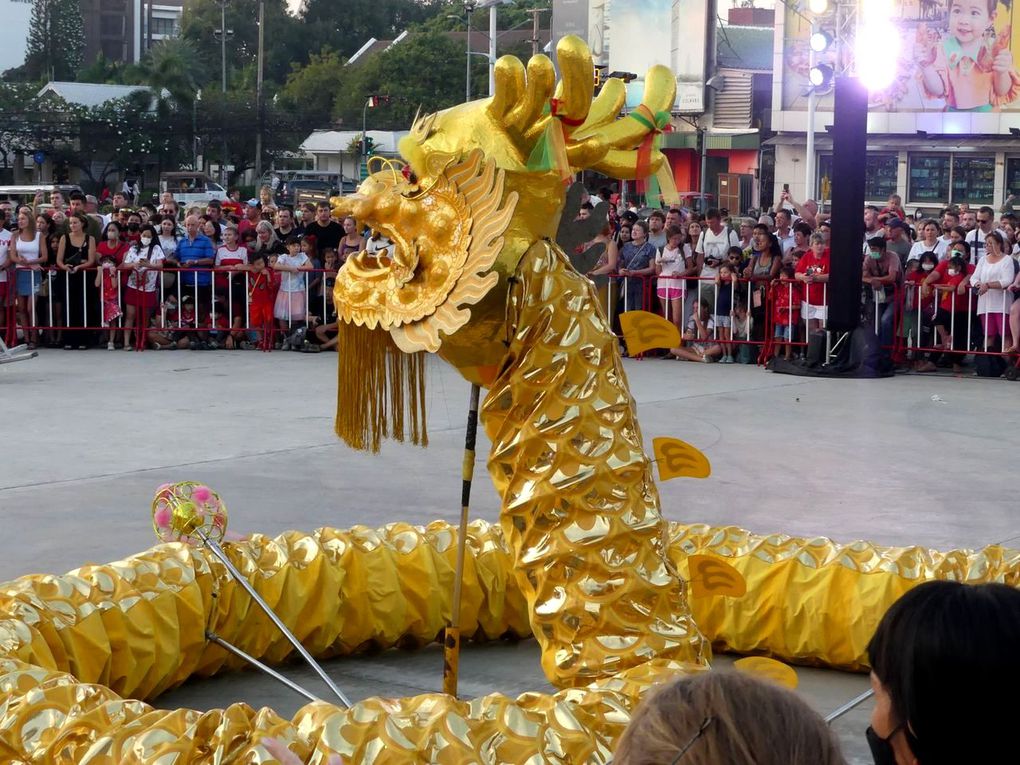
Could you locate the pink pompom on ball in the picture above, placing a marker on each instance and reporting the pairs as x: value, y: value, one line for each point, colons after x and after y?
x: 201, y: 494
x: 162, y: 517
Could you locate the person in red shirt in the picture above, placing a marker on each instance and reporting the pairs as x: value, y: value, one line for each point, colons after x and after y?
x: 263, y: 283
x: 786, y: 309
x: 917, y: 310
x: 230, y: 281
x: 950, y: 281
x: 813, y: 271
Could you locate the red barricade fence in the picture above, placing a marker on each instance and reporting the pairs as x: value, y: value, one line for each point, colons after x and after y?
x: 164, y: 303
x: 898, y: 316
x: 913, y: 323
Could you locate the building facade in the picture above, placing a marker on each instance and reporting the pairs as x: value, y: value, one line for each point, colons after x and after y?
x: 921, y: 145
x: 123, y: 30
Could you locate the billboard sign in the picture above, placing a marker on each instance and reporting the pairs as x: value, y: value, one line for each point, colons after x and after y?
x: 953, y: 56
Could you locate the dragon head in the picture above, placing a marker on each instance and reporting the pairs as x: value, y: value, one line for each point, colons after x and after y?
x: 466, y: 207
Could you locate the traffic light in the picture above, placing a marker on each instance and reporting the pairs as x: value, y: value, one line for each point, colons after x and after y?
x: 368, y: 146
x: 374, y: 101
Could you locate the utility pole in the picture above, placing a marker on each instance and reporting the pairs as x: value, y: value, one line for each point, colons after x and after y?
x: 534, y: 28
x: 258, y: 92
x: 493, y: 23
x: 470, y: 8
x: 223, y: 65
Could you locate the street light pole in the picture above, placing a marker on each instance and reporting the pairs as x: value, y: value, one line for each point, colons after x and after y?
x: 258, y: 92
x: 470, y: 8
x: 223, y: 65
x: 812, y: 107
x: 492, y: 49
x: 363, y: 148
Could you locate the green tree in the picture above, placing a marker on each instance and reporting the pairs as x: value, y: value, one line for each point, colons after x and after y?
x: 348, y: 25
x: 424, y: 70
x: 284, y: 42
x: 310, y: 91
x: 173, y: 69
x: 56, y: 40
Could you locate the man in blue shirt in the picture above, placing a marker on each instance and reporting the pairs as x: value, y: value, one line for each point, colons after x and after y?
x: 195, y: 250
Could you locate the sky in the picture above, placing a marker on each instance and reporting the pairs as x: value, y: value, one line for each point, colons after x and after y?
x: 13, y: 32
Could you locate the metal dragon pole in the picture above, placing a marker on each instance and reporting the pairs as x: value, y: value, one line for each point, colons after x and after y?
x: 451, y: 638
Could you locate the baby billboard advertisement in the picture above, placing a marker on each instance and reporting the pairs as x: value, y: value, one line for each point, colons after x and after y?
x: 946, y: 56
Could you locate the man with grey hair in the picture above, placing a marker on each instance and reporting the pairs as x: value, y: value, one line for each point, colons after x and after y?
x: 196, y: 251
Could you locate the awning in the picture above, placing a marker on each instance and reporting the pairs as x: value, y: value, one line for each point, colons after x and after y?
x: 687, y: 140
x: 823, y: 142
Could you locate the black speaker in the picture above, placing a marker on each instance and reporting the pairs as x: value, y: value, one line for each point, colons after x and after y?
x: 849, y: 147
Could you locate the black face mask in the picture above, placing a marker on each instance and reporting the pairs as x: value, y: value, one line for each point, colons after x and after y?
x: 133, y: 226
x: 881, y: 748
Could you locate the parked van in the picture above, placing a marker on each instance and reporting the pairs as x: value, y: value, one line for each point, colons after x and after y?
x: 25, y: 195
x: 191, y: 188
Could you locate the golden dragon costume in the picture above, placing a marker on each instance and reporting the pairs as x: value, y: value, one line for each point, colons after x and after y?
x: 581, y: 557
x: 475, y: 277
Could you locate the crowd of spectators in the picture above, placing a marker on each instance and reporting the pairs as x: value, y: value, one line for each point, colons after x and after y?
x: 223, y: 275
x: 739, y: 289
x: 935, y: 290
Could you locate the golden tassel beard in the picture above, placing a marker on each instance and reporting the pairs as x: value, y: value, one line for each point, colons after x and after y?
x: 380, y: 390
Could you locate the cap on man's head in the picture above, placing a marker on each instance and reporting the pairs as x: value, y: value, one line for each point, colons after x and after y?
x: 897, y: 223
x: 252, y: 203
x: 630, y: 216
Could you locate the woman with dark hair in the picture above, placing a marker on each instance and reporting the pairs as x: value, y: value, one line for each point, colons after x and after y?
x: 992, y: 278
x: 941, y: 659
x: 766, y: 260
x: 144, y: 261
x: 76, y: 253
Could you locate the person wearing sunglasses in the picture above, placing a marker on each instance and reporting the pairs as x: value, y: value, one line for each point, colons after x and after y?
x: 726, y: 718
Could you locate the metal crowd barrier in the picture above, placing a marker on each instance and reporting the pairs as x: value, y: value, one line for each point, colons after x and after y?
x: 49, y: 311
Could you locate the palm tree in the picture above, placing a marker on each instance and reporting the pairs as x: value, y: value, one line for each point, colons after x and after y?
x: 173, y: 69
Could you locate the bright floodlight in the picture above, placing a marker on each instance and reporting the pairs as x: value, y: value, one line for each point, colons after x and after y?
x: 818, y: 7
x: 877, y: 72
x: 820, y: 41
x: 820, y: 76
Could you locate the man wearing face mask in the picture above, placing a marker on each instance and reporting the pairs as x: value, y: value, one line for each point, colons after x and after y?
x: 881, y: 275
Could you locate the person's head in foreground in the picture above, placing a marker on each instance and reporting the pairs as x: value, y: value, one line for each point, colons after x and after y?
x: 725, y: 718
x: 939, y: 659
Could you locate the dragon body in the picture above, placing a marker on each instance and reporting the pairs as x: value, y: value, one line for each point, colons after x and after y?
x: 475, y: 277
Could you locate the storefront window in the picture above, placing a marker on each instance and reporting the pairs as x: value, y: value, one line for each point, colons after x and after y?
x: 880, y: 177
x: 823, y: 190
x: 928, y: 180
x: 973, y: 179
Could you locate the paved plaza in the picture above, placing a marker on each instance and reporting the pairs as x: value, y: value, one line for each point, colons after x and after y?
x: 89, y: 435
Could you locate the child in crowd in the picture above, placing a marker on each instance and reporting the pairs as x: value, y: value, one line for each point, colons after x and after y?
x: 106, y: 280
x: 290, y: 309
x: 954, y: 308
x: 740, y: 331
x: 323, y: 306
x: 263, y: 284
x: 669, y: 264
x: 971, y: 68
x: 786, y: 307
x: 813, y: 271
x: 231, y: 283
x: 161, y: 328
x: 698, y: 343
x: 726, y: 283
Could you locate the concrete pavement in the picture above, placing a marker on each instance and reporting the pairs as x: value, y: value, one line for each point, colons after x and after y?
x: 89, y: 435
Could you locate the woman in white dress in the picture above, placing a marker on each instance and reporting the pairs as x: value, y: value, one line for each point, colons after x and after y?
x: 992, y: 278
